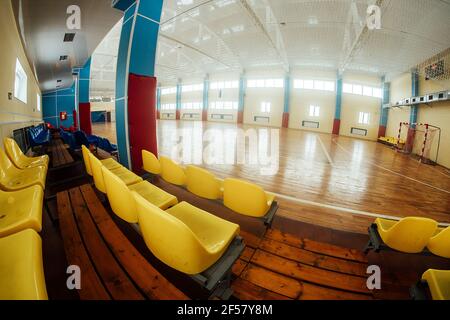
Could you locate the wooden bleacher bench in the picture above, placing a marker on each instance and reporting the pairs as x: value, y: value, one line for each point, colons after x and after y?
x: 111, y: 267
x: 60, y: 154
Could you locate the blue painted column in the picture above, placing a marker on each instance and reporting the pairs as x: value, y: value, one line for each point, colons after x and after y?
x: 205, y: 99
x: 384, y: 111
x: 337, y: 114
x: 242, y: 89
x: 178, y: 100
x: 287, y: 101
x: 158, y: 103
x: 135, y: 81
x: 414, y: 93
x: 84, y: 104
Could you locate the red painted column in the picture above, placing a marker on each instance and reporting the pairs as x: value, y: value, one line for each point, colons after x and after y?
x: 141, y: 118
x: 240, y: 118
x: 381, y: 131
x: 85, y: 117
x: 285, y: 122
x: 336, y: 126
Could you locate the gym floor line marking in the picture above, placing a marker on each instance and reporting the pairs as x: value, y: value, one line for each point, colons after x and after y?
x: 348, y: 210
x: 325, y: 151
x: 393, y: 172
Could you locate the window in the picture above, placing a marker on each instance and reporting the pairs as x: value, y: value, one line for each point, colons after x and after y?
x: 192, y: 106
x: 308, y: 84
x: 21, y: 83
x: 266, y: 83
x: 367, y: 91
x: 314, y: 85
x: 38, y: 102
x: 192, y: 87
x: 166, y: 91
x: 224, y: 105
x: 364, y: 118
x: 168, y: 106
x: 224, y: 85
x: 265, y: 107
x: 314, y: 111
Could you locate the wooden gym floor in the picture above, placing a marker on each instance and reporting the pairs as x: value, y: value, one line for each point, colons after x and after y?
x: 335, y: 182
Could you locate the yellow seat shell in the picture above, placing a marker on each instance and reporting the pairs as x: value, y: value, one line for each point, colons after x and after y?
x: 122, y: 201
x: 108, y: 163
x: 439, y: 283
x: 151, y: 162
x: 439, y: 244
x: 20, y: 210
x: 203, y: 183
x: 13, y: 179
x: 172, y: 172
x: 246, y: 198
x: 21, y: 267
x: 409, y: 235
x: 19, y: 159
x: 184, y: 237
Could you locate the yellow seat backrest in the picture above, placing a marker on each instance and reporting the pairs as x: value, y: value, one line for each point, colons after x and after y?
x: 168, y: 238
x: 172, y: 172
x: 97, y: 174
x: 87, y: 162
x: 5, y: 165
x: 440, y: 243
x: 151, y: 162
x: 245, y: 198
x: 13, y: 150
x: 439, y: 283
x: 409, y: 235
x: 120, y: 198
x: 203, y: 183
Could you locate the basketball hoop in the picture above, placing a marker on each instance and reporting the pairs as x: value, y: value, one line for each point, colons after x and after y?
x: 419, y: 140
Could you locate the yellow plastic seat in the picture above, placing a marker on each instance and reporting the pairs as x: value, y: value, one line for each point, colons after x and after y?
x: 20, y: 210
x: 203, y: 183
x: 439, y: 244
x: 13, y: 179
x: 151, y: 162
x: 439, y: 283
x: 122, y: 201
x: 184, y: 237
x: 246, y: 198
x: 21, y: 267
x: 409, y: 235
x: 172, y: 172
x: 20, y: 160
x: 109, y: 163
x: 122, y: 173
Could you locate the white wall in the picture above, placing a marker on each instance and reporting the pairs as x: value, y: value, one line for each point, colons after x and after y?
x: 255, y: 96
x: 401, y: 87
x: 352, y: 105
x: 15, y: 114
x: 301, y: 99
x: 166, y: 99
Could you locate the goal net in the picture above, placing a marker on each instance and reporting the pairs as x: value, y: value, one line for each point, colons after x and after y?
x: 421, y: 140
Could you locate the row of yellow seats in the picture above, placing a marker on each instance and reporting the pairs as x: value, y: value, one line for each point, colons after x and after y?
x: 413, y: 234
x: 184, y: 237
x: 21, y: 190
x: 22, y: 180
x: 238, y: 195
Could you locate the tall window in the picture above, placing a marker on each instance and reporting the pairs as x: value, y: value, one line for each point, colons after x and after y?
x: 166, y: 91
x: 38, y: 102
x: 364, y: 118
x: 224, y: 85
x: 265, y: 107
x: 20, y: 85
x: 363, y: 90
x: 265, y: 83
x: 314, y: 111
x: 314, y: 85
x: 192, y: 87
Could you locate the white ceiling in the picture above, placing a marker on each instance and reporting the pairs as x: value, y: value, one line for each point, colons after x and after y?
x: 200, y: 37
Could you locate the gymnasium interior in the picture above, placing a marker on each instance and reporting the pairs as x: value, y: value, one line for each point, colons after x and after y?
x: 225, y: 150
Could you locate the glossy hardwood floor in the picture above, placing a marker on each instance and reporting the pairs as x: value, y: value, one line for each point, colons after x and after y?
x: 337, y: 182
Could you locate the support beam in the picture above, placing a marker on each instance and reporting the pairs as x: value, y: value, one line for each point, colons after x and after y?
x: 287, y: 101
x: 384, y: 113
x: 178, y: 101
x: 135, y: 81
x: 337, y: 114
x: 242, y: 89
x: 414, y: 93
x: 205, y: 99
